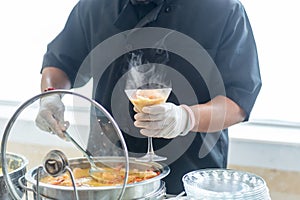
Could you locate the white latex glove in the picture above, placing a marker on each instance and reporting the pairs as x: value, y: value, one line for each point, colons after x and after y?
x: 50, y: 117
x: 165, y: 120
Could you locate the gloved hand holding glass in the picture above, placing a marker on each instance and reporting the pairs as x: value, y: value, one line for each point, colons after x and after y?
x: 141, y: 98
x: 165, y: 120
x: 50, y: 117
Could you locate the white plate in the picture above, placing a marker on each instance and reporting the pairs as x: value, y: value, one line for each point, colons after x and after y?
x: 224, y: 183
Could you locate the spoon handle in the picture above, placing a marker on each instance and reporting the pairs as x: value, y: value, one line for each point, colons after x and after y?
x: 87, y: 154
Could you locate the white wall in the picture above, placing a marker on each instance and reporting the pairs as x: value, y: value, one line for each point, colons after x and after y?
x: 274, y: 147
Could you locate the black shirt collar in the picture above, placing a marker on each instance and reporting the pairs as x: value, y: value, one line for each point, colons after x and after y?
x: 157, y: 2
x: 128, y: 18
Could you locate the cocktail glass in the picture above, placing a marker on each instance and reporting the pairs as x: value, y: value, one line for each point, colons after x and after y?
x: 148, y: 97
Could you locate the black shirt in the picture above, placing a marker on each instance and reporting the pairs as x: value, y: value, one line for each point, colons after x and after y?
x: 94, y: 44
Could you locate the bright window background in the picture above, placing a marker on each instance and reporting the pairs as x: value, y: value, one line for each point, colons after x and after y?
x: 276, y: 29
x: 26, y: 29
x: 28, y: 26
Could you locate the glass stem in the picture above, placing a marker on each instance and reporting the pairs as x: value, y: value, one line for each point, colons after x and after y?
x: 150, y: 146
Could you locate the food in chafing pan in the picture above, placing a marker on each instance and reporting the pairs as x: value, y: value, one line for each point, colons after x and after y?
x: 16, y: 167
x: 9, y: 170
x: 109, y: 177
x: 14, y: 162
x: 103, y: 190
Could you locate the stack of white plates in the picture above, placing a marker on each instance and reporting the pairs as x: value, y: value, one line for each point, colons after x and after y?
x: 213, y: 184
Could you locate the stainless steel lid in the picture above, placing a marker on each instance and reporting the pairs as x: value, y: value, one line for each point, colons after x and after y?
x: 80, y: 111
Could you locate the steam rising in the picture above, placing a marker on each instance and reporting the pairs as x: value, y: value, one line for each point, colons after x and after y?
x: 145, y: 76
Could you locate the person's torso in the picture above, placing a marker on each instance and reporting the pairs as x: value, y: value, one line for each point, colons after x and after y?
x: 194, y: 19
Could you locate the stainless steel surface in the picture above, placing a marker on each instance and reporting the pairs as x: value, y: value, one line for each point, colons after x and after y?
x: 18, y: 165
x: 55, y: 164
x: 138, y: 190
x: 9, y: 181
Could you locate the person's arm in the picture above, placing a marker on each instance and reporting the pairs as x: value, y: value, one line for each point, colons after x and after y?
x: 219, y: 113
x: 53, y: 77
x: 50, y: 117
x: 169, y: 120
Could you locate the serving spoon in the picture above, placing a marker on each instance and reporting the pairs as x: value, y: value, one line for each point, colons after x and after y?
x: 94, y: 170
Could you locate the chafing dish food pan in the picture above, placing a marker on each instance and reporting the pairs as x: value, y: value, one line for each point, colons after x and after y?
x: 16, y: 168
x: 137, y: 190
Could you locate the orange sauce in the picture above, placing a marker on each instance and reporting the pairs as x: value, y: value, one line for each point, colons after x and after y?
x: 110, y: 177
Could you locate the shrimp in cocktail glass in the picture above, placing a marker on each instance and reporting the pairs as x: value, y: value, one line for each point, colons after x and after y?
x: 148, y: 97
